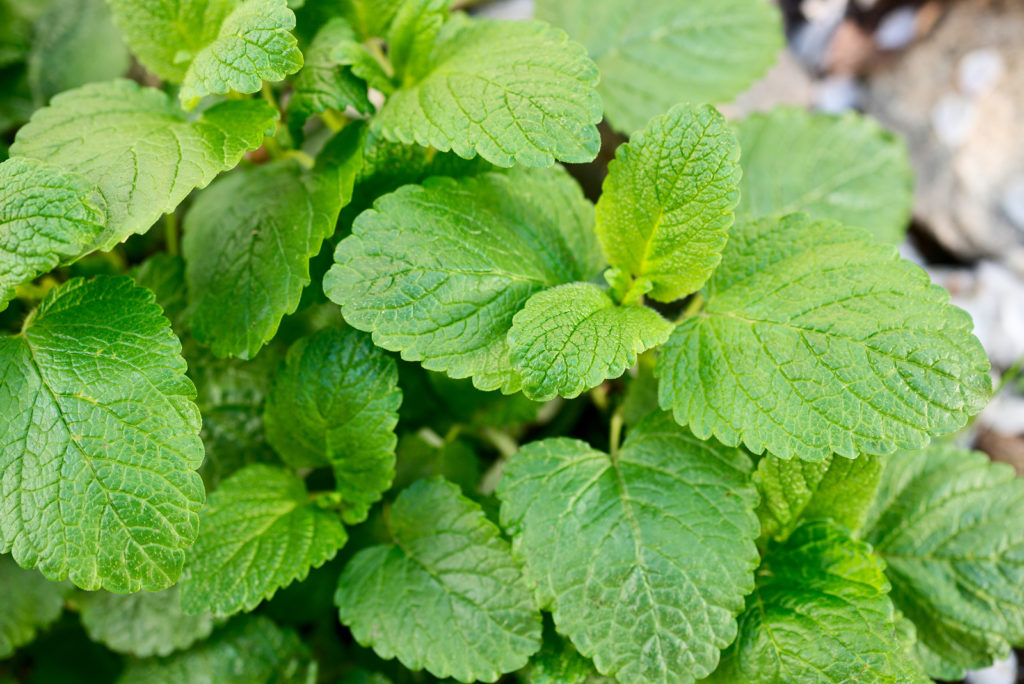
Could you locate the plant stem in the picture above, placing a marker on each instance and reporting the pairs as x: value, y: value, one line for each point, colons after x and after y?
x: 1011, y: 374
x: 694, y: 306
x: 333, y: 119
x: 171, y: 233
x: 615, y: 435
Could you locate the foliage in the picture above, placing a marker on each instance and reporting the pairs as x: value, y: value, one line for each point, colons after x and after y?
x: 315, y: 363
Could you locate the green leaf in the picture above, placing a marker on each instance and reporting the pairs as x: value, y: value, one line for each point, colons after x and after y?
x: 835, y: 487
x: 558, y: 662
x: 335, y: 402
x: 644, y: 557
x: 515, y: 93
x: 259, y: 532
x: 28, y: 603
x: 661, y: 52
x: 137, y: 149
x: 413, y: 32
x: 842, y: 168
x: 143, y: 624
x: 165, y: 276
x: 249, y: 239
x: 438, y: 271
x: 100, y: 440
x: 819, y: 614
x: 817, y: 340
x: 947, y: 523
x: 75, y: 42
x: 46, y: 216
x: 211, y: 46
x: 371, y: 17
x: 456, y: 603
x: 573, y: 337
x: 247, y: 650
x: 323, y: 83
x: 666, y: 207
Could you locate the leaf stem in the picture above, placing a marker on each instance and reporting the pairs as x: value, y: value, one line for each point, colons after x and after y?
x: 693, y: 307
x: 615, y: 434
x: 171, y: 233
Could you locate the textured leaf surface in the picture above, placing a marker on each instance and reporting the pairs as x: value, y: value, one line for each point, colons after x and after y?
x: 438, y: 271
x: 99, y: 440
x: 640, y: 569
x: 144, y: 624
x: 138, y: 149
x: 456, y: 603
x: 819, y: 614
x: 28, y: 603
x: 249, y: 649
x: 323, y: 83
x: 666, y: 207
x: 816, y: 340
x: 846, y: 169
x: 574, y: 337
x: 516, y: 93
x: 211, y: 46
x: 947, y: 523
x: 335, y: 402
x: 46, y: 215
x: 836, y: 488
x: 258, y: 533
x: 74, y: 42
x: 655, y: 54
x: 248, y: 242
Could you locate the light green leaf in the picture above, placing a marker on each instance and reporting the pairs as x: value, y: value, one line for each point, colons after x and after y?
x: 842, y: 168
x: 573, y: 337
x: 370, y: 18
x: 75, y: 42
x: 28, y: 603
x: 819, y: 614
x: 948, y: 524
x: 247, y: 650
x: 249, y: 239
x: 655, y: 54
x: 516, y: 93
x: 211, y: 46
x: 46, y: 216
x: 138, y: 149
x: 335, y: 402
x: 837, y: 488
x: 456, y: 603
x: 259, y: 532
x: 438, y: 271
x: 642, y: 572
x: 144, y: 624
x: 412, y: 34
x: 99, y: 440
x: 324, y: 83
x: 666, y: 207
x: 817, y: 340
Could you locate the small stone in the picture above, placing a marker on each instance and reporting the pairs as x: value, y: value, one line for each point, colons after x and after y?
x: 953, y: 119
x: 980, y: 70
x: 838, y: 94
x: 1003, y: 672
x: 1013, y: 201
x: 897, y: 29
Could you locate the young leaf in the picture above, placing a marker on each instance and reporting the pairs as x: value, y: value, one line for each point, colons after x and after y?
x: 323, y: 83
x: 573, y: 337
x: 819, y: 613
x: 455, y: 604
x: 817, y: 340
x: 666, y: 207
x: 335, y: 402
x: 248, y: 649
x: 28, y: 603
x: 837, y: 488
x: 516, y: 93
x: 138, y: 149
x: 642, y: 571
x: 249, y: 239
x: 46, y: 215
x: 100, y: 440
x: 947, y: 523
x: 259, y: 532
x: 847, y: 169
x: 654, y: 54
x: 211, y: 46
x: 412, y: 33
x: 75, y: 42
x: 143, y: 624
x: 438, y: 271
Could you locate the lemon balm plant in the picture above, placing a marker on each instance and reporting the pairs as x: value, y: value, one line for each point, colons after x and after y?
x: 384, y: 397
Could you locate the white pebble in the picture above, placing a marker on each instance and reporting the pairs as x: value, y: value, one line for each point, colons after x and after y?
x: 953, y: 119
x: 1003, y: 672
x: 838, y: 94
x: 897, y: 29
x: 1013, y: 201
x: 980, y: 70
